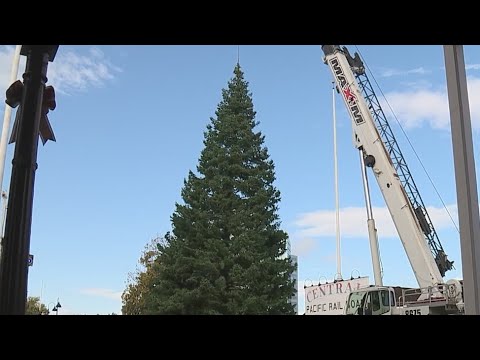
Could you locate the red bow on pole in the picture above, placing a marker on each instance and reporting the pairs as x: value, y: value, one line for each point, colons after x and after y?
x: 14, y: 98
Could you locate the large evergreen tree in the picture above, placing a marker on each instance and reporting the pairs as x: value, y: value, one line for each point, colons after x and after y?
x: 226, y: 253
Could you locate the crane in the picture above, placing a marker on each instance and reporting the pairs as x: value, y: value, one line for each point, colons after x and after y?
x: 374, y: 138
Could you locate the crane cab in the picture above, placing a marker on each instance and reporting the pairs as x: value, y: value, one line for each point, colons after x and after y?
x: 442, y: 299
x: 371, y: 301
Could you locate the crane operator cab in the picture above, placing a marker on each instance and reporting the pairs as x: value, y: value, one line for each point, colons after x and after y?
x: 371, y: 301
x: 442, y: 299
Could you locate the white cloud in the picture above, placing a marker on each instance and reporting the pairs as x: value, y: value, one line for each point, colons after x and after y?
x: 397, y: 72
x: 105, y: 293
x: 302, y: 246
x: 70, y: 72
x: 418, y: 106
x: 353, y: 222
x: 96, y: 52
x: 415, y: 107
x: 472, y: 66
x: 417, y: 84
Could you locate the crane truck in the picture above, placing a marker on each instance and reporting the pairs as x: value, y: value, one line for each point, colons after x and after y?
x: 379, y: 151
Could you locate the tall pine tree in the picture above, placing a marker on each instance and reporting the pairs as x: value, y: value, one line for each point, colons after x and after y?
x: 227, y: 253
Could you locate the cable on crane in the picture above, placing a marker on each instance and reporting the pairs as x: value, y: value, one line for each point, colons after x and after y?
x: 408, y: 140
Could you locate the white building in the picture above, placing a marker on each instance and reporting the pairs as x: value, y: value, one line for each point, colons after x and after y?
x: 294, y: 299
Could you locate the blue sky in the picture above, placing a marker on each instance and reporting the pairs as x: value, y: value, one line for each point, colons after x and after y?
x: 129, y: 125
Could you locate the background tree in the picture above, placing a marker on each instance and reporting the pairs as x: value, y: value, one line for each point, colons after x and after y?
x: 35, y: 307
x: 140, y: 281
x: 227, y: 253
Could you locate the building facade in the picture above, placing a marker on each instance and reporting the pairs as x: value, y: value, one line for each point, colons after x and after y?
x: 294, y: 298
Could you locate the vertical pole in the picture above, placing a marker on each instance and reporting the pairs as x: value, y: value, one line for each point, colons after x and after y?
x: 4, y: 138
x: 372, y: 231
x: 16, y: 243
x: 8, y: 114
x: 465, y: 177
x: 41, y: 293
x: 337, y: 203
x: 4, y: 215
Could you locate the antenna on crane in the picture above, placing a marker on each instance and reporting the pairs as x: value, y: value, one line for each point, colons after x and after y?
x: 338, y: 276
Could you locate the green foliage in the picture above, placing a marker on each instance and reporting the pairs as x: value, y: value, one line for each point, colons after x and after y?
x: 226, y: 253
x: 35, y: 307
x: 139, y: 282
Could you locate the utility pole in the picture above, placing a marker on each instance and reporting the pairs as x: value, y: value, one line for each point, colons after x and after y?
x: 465, y: 177
x: 4, y: 215
x: 7, y: 115
x: 4, y: 138
x: 16, y: 243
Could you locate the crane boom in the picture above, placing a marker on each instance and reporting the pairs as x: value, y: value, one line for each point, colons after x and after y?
x: 402, y: 169
x: 373, y: 136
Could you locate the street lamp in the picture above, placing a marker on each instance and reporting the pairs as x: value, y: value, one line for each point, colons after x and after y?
x: 31, y: 122
x: 55, y: 307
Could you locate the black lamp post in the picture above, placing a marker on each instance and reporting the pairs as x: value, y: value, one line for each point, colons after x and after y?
x: 32, y: 113
x: 56, y: 307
